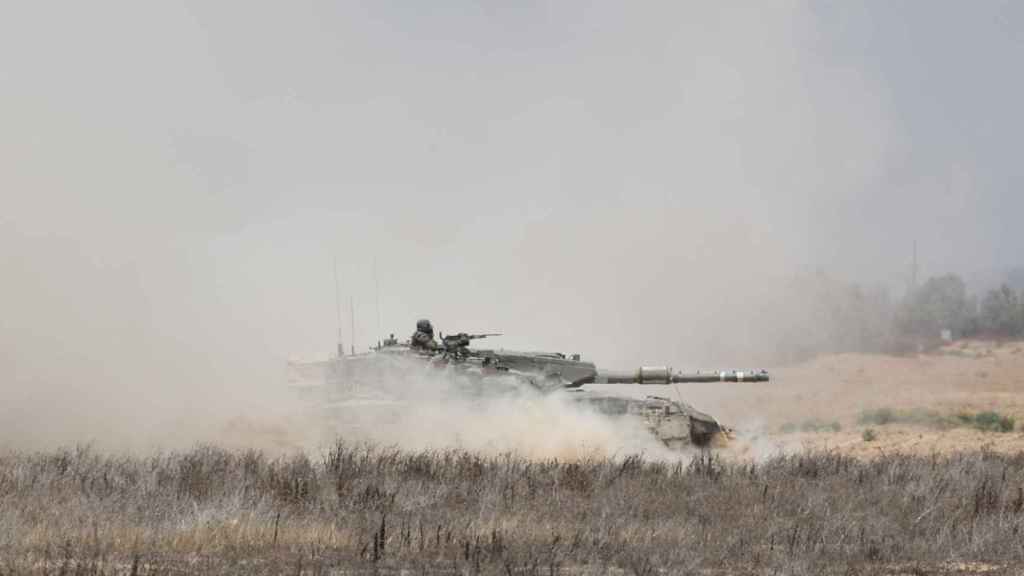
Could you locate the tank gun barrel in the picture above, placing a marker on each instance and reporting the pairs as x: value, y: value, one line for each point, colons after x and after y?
x: 665, y: 375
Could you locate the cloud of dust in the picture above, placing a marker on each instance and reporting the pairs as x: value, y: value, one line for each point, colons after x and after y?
x: 126, y: 410
x: 639, y: 184
x: 416, y: 404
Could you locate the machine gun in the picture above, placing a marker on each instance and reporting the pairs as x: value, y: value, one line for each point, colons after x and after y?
x: 457, y: 344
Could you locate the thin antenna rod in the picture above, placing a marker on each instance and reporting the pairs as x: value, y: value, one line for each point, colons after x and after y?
x: 913, y: 271
x: 675, y: 388
x: 337, y: 308
x: 352, y: 319
x: 376, y: 296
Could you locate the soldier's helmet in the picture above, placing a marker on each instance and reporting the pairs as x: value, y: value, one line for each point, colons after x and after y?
x: 425, y: 327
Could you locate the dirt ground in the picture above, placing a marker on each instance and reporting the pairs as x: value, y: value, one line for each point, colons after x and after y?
x: 820, y: 404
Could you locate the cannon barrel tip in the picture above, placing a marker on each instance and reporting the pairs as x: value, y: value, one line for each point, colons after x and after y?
x: 665, y: 375
x: 743, y: 376
x: 722, y: 376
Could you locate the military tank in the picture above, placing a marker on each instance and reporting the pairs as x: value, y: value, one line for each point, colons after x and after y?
x: 361, y: 389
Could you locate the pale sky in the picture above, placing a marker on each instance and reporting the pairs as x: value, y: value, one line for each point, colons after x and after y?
x: 612, y: 178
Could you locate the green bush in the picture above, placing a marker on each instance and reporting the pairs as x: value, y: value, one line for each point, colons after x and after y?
x: 993, y: 422
x: 811, y: 425
x: 988, y: 421
x: 930, y: 418
x: 869, y: 435
x: 877, y: 416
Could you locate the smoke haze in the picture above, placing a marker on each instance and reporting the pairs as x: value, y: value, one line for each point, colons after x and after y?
x: 629, y: 182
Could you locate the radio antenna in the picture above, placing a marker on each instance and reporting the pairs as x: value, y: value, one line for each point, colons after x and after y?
x: 337, y: 309
x: 352, y: 319
x: 376, y: 296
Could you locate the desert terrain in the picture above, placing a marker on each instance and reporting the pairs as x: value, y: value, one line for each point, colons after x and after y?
x: 916, y: 404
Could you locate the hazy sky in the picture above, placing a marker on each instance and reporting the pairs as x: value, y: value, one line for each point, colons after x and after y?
x: 611, y: 178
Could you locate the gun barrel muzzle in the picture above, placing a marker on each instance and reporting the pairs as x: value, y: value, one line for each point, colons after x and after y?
x: 665, y: 375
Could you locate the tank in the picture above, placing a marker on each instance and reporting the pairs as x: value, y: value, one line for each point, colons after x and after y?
x: 362, y: 388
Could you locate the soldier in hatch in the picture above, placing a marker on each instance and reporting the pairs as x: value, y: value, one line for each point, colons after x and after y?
x: 423, y: 338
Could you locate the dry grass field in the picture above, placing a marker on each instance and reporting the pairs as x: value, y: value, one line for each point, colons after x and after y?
x: 360, y: 509
x: 805, y: 489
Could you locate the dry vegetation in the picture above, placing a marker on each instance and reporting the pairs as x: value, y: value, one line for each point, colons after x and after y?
x: 367, y: 509
x: 908, y: 465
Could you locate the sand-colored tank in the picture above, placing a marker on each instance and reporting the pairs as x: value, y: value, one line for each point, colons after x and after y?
x: 361, y: 383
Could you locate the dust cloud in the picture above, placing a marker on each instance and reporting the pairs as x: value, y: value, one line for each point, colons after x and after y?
x: 414, y: 404
x: 639, y: 184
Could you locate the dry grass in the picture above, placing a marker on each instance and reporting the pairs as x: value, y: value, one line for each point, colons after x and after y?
x: 366, y: 509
